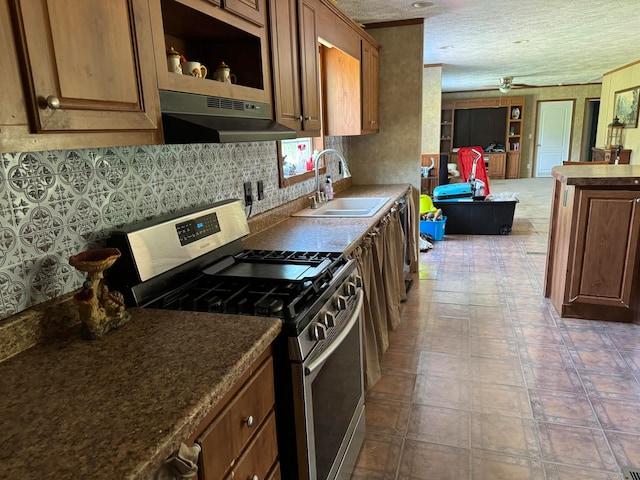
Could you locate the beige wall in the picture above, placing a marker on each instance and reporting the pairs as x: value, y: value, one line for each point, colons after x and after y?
x: 611, y: 83
x: 431, y: 107
x: 393, y: 155
x: 579, y: 93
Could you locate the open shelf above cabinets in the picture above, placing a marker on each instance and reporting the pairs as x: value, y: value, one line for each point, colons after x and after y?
x: 206, y: 33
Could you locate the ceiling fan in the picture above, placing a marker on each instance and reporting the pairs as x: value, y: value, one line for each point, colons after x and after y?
x: 506, y: 84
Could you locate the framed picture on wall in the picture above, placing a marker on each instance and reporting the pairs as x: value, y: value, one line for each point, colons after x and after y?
x: 626, y: 106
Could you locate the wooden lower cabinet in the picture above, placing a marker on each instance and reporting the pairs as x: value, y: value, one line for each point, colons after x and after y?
x: 497, y: 164
x: 593, y: 252
x: 238, y: 437
x: 513, y: 165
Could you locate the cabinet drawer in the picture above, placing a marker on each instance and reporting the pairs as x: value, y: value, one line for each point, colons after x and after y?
x: 261, y: 454
x: 228, y: 434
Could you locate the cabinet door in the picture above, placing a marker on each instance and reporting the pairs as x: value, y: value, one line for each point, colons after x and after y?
x: 93, y: 60
x: 249, y: 9
x: 370, y: 88
x: 496, y: 166
x: 342, y: 95
x: 284, y: 51
x: 513, y: 165
x: 606, y: 248
x: 294, y: 51
x: 229, y: 434
x: 309, y: 68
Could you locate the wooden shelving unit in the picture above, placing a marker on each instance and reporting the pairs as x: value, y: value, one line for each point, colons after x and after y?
x: 508, y: 165
x: 514, y: 138
x: 446, y: 129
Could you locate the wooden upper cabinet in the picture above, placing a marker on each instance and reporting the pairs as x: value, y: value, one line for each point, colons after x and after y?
x: 341, y: 91
x: 252, y: 10
x: 309, y: 66
x: 370, y: 66
x: 296, y: 80
x: 204, y: 32
x: 89, y: 64
x: 336, y: 28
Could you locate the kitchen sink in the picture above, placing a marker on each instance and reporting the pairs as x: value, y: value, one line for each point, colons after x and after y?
x: 346, y: 207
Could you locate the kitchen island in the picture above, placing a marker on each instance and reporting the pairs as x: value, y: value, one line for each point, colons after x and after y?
x: 594, y: 234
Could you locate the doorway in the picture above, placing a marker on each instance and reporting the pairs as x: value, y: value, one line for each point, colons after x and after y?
x: 591, y: 113
x: 553, y: 135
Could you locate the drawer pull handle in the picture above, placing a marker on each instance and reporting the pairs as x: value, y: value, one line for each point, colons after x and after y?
x: 249, y: 421
x: 255, y: 477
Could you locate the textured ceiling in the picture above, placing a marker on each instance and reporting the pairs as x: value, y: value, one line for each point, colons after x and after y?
x: 569, y: 42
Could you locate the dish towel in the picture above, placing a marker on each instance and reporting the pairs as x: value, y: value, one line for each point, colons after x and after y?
x: 183, y: 463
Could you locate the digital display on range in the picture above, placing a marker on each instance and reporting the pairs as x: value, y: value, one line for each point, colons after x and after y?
x: 197, y: 228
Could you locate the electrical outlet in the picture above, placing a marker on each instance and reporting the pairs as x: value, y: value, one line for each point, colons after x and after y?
x: 260, y: 190
x: 248, y: 196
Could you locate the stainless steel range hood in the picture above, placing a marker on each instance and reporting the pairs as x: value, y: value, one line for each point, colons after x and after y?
x: 191, y: 118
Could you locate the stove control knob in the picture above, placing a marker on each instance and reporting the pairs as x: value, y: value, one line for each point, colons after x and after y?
x: 319, y: 332
x: 357, y: 279
x: 328, y: 319
x: 341, y: 302
x: 350, y: 288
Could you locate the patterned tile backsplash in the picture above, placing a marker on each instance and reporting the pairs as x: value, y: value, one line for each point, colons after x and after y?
x: 54, y: 204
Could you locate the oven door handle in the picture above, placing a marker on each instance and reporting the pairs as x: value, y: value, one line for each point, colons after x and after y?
x: 317, y: 363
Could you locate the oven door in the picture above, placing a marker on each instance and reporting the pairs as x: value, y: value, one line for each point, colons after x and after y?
x: 330, y: 412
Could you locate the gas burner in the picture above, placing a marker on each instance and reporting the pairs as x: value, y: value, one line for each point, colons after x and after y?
x: 271, y: 256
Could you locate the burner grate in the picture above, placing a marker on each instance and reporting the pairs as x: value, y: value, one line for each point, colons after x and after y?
x: 631, y: 473
x: 281, y: 256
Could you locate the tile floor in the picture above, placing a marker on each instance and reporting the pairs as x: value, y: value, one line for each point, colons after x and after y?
x: 483, y: 380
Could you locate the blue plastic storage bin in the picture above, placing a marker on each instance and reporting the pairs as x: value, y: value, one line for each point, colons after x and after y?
x: 435, y: 228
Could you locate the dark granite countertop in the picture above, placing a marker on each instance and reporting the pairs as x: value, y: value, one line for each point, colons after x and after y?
x: 335, y: 234
x: 116, y: 407
x: 598, y: 175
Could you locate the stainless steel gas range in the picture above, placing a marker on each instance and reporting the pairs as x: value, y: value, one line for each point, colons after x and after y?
x: 195, y: 261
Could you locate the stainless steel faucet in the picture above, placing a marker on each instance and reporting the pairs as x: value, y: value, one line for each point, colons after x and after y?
x: 316, y: 157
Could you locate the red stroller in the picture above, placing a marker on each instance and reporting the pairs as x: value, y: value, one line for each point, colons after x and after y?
x: 473, y: 171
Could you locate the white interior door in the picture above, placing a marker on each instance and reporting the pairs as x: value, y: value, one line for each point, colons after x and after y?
x: 553, y: 135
